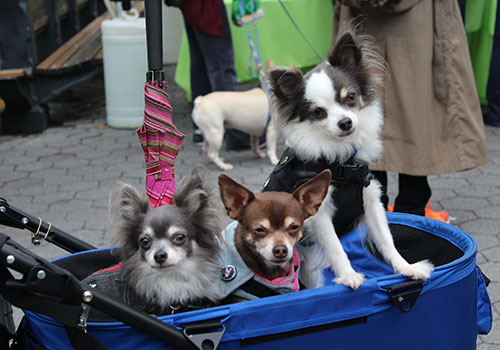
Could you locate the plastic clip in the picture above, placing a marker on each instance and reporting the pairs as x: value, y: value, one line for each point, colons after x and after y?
x: 405, y: 295
x: 82, y: 321
x: 205, y: 335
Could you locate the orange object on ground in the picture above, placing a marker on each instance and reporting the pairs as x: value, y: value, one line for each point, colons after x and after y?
x: 440, y: 215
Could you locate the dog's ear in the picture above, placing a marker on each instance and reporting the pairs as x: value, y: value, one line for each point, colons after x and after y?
x: 234, y: 196
x: 125, y: 203
x: 270, y: 64
x: 195, y: 197
x: 346, y: 53
x: 192, y: 193
x: 126, y: 211
x: 286, y: 84
x: 311, y: 194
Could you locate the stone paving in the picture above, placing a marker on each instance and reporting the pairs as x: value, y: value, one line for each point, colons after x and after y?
x: 65, y: 174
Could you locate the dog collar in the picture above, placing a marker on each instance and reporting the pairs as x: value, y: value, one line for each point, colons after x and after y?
x: 291, y: 172
x: 239, y: 280
x: 289, y: 283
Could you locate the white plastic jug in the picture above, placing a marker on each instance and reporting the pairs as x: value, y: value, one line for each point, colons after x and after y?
x: 125, y: 67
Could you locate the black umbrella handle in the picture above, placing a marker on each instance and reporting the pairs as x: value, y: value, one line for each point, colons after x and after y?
x: 153, y: 15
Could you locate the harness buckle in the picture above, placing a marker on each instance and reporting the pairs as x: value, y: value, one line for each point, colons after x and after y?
x: 82, y: 321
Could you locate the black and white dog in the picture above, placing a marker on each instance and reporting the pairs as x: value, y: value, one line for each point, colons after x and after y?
x: 331, y: 119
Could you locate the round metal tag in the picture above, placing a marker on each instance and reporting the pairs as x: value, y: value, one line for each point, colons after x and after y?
x: 229, y: 272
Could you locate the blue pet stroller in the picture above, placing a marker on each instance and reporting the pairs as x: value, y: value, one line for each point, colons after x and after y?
x: 387, y: 312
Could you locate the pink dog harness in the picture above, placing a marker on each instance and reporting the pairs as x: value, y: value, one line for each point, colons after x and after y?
x: 161, y: 142
x: 290, y: 282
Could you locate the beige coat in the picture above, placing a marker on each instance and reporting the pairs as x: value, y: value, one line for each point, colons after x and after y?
x: 432, y: 119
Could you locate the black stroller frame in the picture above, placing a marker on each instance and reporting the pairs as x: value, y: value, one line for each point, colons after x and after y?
x: 51, y: 290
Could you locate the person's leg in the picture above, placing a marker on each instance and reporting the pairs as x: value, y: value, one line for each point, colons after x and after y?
x: 381, y: 176
x: 200, y: 84
x: 492, y: 116
x: 413, y: 195
x: 219, y: 59
x: 461, y: 4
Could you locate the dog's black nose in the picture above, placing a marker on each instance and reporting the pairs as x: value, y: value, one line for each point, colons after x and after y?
x: 160, y: 257
x: 280, y: 251
x: 345, y: 124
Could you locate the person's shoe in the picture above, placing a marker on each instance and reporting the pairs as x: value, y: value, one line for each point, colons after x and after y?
x: 440, y: 215
x: 489, y: 120
x: 198, y: 137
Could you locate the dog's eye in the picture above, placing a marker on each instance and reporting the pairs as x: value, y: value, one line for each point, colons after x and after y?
x: 294, y: 229
x: 350, y: 99
x: 179, y: 238
x: 319, y: 113
x: 259, y: 231
x: 145, y: 243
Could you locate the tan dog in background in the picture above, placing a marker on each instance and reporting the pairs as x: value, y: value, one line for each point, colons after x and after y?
x: 246, y: 111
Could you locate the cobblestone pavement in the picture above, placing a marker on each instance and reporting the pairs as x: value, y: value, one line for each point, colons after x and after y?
x: 65, y: 174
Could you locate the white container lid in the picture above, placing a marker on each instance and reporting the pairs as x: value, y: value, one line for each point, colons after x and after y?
x: 123, y: 26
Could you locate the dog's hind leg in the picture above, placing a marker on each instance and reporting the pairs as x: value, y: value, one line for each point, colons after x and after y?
x: 213, y: 140
x: 380, y: 234
x: 213, y: 155
x: 255, y: 146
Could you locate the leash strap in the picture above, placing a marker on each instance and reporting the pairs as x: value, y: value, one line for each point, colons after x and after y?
x: 300, y: 32
x: 254, y: 60
x: 266, y: 89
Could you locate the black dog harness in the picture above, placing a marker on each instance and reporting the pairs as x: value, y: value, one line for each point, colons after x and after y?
x: 348, y: 179
x: 111, y: 281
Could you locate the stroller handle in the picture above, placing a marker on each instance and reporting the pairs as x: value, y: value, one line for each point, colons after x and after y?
x: 14, y: 217
x: 44, y: 282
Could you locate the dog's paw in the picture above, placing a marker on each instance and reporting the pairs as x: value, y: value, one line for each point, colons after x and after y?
x: 226, y: 166
x: 274, y: 160
x: 352, y: 280
x: 418, y: 271
x: 261, y: 155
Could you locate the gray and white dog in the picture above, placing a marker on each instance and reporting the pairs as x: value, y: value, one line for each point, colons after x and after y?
x: 169, y: 254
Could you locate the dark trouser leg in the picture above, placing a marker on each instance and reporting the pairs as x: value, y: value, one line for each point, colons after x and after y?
x: 461, y: 4
x: 413, y: 195
x: 218, y: 59
x: 381, y: 176
x: 235, y: 139
x: 200, y: 84
x: 493, y: 88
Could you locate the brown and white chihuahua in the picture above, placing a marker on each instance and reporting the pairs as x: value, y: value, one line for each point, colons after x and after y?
x: 267, y: 228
